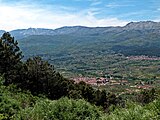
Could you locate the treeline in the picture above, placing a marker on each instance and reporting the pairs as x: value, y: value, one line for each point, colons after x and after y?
x: 40, y: 77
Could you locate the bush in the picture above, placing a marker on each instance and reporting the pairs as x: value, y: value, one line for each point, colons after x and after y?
x: 146, y: 96
x: 62, y: 109
x: 134, y: 111
x: 13, y: 100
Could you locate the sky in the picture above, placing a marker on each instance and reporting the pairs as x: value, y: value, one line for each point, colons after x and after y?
x: 22, y: 14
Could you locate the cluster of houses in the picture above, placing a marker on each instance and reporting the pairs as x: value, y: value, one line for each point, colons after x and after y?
x: 100, y: 81
x: 108, y: 81
x: 142, y: 57
x: 92, y: 81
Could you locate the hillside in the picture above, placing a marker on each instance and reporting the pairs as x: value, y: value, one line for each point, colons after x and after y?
x: 136, y: 38
x: 92, y: 50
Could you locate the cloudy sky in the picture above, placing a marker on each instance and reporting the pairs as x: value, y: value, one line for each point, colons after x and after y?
x: 52, y: 14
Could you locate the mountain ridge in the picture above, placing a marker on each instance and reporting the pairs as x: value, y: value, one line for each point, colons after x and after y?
x: 83, y: 30
x: 135, y: 38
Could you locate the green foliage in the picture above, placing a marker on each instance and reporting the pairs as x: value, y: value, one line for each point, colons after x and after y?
x: 62, y: 109
x: 101, y: 99
x: 18, y: 105
x: 2, y: 117
x: 36, y: 75
x: 13, y: 100
x: 10, y: 57
x: 87, y: 92
x: 40, y: 78
x: 146, y: 96
x: 136, y: 112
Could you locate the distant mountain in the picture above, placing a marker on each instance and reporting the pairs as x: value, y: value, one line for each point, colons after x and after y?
x: 143, y: 25
x: 82, y: 30
x: 21, y: 33
x: 77, y: 30
x: 1, y: 32
x: 135, y: 38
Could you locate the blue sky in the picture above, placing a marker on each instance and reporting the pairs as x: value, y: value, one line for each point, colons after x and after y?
x: 57, y: 13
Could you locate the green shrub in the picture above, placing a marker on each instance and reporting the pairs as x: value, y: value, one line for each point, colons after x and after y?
x: 62, y: 109
x: 134, y: 111
x: 13, y: 100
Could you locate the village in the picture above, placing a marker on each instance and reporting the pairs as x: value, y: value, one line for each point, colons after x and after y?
x: 127, y: 87
x: 143, y: 57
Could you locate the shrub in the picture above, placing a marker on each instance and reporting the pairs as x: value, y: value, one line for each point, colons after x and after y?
x: 134, y: 111
x: 62, y: 109
x: 13, y: 100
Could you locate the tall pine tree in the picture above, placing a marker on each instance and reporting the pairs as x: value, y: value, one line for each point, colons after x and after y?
x: 10, y: 57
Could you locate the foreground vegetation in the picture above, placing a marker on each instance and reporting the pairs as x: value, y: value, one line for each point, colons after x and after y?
x: 19, y: 105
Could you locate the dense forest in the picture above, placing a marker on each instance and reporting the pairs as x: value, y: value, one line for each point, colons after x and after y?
x: 32, y: 89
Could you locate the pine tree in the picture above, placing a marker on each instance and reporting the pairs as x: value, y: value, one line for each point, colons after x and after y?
x: 10, y: 57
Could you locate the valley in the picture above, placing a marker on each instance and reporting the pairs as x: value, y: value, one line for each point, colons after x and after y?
x: 127, y: 53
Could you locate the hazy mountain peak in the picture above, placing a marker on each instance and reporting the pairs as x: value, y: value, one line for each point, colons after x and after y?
x: 2, y: 31
x: 21, y: 33
x: 143, y: 25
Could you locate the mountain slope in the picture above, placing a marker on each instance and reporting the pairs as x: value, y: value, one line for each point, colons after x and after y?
x: 136, y: 38
x: 91, y: 50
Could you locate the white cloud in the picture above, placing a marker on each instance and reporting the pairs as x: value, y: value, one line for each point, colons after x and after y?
x: 19, y: 17
x: 115, y: 5
x: 96, y: 3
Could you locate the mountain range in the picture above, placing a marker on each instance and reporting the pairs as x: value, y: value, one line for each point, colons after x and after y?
x: 82, y: 30
x: 135, y: 38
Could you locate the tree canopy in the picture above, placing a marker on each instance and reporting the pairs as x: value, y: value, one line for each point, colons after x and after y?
x: 10, y: 56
